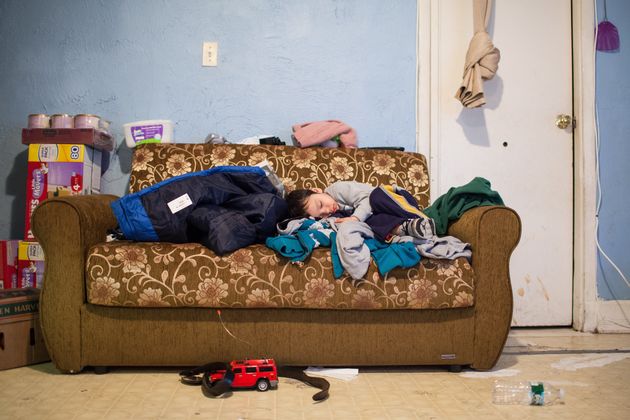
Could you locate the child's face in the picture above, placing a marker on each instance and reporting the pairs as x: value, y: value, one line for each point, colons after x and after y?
x: 320, y: 205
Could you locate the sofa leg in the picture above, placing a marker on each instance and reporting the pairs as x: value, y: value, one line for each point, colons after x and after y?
x: 69, y: 372
x: 100, y: 370
x: 455, y: 368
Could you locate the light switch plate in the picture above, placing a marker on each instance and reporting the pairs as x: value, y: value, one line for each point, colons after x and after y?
x: 209, y: 54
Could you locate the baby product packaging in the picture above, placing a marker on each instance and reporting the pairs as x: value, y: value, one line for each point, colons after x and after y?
x: 56, y: 170
x: 8, y: 264
x: 30, y: 265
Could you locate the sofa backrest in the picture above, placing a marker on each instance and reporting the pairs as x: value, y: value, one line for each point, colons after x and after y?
x: 298, y: 168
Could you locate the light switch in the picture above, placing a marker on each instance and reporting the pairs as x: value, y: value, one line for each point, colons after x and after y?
x: 209, y: 54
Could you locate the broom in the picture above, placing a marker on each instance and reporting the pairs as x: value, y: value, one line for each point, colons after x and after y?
x: 607, y: 34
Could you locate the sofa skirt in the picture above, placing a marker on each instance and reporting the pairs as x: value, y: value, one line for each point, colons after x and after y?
x: 194, y: 336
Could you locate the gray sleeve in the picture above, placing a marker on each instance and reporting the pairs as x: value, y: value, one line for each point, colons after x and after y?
x: 353, y: 194
x: 353, y: 253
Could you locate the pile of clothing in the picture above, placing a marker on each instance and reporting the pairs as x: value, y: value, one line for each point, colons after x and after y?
x: 353, y: 243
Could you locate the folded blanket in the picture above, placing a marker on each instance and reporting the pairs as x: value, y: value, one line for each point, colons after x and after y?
x: 315, y: 133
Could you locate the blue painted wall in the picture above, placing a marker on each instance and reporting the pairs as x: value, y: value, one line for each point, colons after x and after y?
x: 281, y: 62
x: 613, y: 99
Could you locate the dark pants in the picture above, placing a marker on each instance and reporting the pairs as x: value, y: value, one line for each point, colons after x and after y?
x: 387, y: 213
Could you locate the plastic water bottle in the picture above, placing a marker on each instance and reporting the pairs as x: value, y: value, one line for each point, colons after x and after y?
x: 526, y: 393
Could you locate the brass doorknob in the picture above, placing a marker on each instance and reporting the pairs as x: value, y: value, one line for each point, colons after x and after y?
x: 563, y: 121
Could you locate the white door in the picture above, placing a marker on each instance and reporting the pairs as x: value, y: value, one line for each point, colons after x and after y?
x: 513, y: 140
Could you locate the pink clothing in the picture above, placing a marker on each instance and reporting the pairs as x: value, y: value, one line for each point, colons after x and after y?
x: 317, y: 132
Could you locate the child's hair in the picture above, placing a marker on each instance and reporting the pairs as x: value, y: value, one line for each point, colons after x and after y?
x: 296, y: 202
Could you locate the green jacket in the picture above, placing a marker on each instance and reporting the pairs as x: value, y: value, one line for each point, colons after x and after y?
x: 457, y: 200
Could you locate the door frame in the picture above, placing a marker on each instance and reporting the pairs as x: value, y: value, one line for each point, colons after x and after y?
x: 586, y: 306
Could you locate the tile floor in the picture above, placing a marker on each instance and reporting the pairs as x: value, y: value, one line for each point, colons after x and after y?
x: 593, y: 369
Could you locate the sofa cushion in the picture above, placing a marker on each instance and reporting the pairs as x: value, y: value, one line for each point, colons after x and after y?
x: 297, y: 168
x: 123, y: 273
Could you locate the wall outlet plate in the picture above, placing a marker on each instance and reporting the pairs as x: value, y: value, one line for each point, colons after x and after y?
x: 209, y: 54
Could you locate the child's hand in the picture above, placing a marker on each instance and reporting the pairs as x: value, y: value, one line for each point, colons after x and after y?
x: 346, y: 219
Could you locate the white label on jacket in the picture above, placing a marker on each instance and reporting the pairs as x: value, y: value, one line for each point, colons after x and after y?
x: 180, y: 203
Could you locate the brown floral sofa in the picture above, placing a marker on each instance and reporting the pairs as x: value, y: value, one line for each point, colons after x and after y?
x: 127, y: 303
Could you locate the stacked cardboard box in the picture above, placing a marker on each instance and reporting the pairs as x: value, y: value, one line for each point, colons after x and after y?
x: 56, y: 170
x: 60, y: 162
x: 98, y: 139
x: 8, y: 264
x: 30, y: 265
x: 21, y: 264
x: 20, y: 333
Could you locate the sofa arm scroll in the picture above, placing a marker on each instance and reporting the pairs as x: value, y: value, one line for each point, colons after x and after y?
x: 66, y: 228
x: 493, y: 232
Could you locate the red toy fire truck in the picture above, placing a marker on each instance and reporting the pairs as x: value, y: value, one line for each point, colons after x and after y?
x: 250, y: 373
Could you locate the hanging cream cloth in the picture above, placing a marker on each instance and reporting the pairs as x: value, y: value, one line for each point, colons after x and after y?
x: 482, y: 58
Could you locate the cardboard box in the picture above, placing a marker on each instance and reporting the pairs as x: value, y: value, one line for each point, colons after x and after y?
x: 30, y: 268
x: 95, y: 138
x: 8, y: 264
x: 58, y: 170
x: 21, y: 340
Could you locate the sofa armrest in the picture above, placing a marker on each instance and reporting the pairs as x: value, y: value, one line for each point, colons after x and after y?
x: 493, y: 232
x: 66, y: 228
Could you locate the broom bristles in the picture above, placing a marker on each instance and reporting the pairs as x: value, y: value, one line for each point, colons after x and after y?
x: 607, y: 37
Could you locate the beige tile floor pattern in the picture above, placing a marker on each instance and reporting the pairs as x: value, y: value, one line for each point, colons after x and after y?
x: 40, y: 392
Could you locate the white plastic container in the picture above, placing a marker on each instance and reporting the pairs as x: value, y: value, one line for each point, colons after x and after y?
x: 148, y: 131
